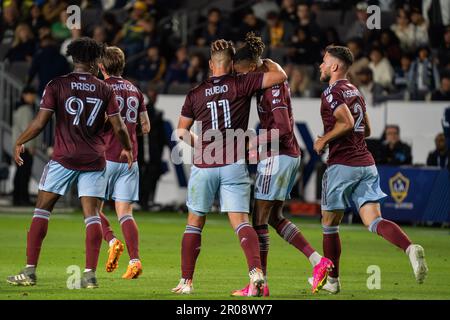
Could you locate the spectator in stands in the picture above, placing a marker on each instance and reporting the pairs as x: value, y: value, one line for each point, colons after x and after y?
x: 306, y: 21
x: 214, y: 29
x: 36, y: 20
x: 437, y: 15
x: 423, y: 76
x: 393, y: 150
x: 444, y: 50
x: 401, y: 74
x: 441, y: 156
x: 330, y: 35
x: 420, y: 29
x: 373, y: 92
x: 250, y: 23
x: 277, y: 33
x: 178, y: 69
x: 390, y: 45
x: 99, y: 34
x: 404, y: 30
x: 197, y: 71
x: 151, y: 69
x: 22, y: 117
x: 443, y: 94
x: 359, y: 28
x: 47, y: 63
x: 300, y: 82
x: 150, y: 153
x: 383, y: 72
x: 289, y: 12
x: 112, y: 27
x: 52, y: 10
x: 8, y: 24
x: 303, y: 50
x: 23, y: 46
x: 262, y: 8
x: 360, y: 60
x: 60, y: 32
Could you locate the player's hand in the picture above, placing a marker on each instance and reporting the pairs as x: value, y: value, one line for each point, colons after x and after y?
x: 220, y: 45
x: 128, y: 154
x: 319, y: 145
x: 17, y: 151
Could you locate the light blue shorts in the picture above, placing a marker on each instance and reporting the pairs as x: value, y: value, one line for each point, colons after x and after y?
x: 275, y: 177
x: 123, y: 184
x: 343, y: 184
x: 58, y: 179
x: 231, y: 183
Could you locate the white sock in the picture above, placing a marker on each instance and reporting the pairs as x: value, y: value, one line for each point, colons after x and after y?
x: 408, y: 250
x: 133, y: 261
x: 111, y: 242
x: 314, y: 258
x: 30, y: 266
x: 332, y: 280
x: 87, y: 270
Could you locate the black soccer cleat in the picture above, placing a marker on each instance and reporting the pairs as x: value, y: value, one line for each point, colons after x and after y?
x: 26, y: 277
x: 89, y: 280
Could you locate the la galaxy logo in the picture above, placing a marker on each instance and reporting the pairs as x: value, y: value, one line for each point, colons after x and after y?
x: 399, y: 186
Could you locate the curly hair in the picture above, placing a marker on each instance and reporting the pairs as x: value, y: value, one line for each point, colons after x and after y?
x: 252, y: 50
x: 85, y: 50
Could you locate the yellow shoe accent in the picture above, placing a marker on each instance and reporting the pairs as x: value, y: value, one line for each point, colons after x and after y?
x: 114, y: 253
x: 134, y: 270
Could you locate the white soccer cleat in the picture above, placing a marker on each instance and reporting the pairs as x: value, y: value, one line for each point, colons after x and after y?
x: 416, y: 255
x: 184, y: 287
x: 257, y: 283
x: 333, y: 285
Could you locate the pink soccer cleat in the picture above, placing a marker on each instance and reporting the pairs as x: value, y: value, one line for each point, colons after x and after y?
x: 320, y: 274
x: 246, y: 292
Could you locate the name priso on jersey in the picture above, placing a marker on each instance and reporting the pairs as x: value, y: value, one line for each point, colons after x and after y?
x: 132, y: 108
x: 75, y: 106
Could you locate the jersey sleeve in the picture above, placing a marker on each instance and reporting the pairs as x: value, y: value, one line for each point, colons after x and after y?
x: 187, y: 109
x: 112, y: 108
x: 48, y: 101
x: 334, y: 99
x: 249, y: 83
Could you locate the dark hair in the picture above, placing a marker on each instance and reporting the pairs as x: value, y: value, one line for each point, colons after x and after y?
x: 85, y: 50
x: 342, y: 53
x: 392, y: 126
x: 28, y: 89
x: 252, y: 49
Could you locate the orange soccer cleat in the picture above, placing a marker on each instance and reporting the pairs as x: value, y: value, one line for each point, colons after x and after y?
x: 134, y: 270
x: 114, y: 253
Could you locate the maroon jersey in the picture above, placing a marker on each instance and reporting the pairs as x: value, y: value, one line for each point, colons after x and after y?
x: 80, y: 102
x: 221, y: 105
x: 131, y: 104
x: 275, y: 112
x: 350, y: 149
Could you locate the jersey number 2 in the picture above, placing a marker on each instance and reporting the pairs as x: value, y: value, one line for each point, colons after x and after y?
x: 359, y: 127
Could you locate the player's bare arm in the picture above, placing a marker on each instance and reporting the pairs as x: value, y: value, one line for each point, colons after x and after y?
x: 33, y: 130
x: 121, y: 132
x: 183, y: 133
x: 144, y: 122
x: 367, y: 128
x: 274, y: 75
x: 344, y: 124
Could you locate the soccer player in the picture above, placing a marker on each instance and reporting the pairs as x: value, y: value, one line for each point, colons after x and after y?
x: 276, y: 173
x: 220, y: 105
x: 80, y: 102
x: 123, y: 184
x: 351, y: 175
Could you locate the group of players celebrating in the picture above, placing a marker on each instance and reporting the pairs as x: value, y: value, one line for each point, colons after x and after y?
x: 95, y: 145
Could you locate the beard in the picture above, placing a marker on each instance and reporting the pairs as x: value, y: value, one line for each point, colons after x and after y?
x: 325, y: 78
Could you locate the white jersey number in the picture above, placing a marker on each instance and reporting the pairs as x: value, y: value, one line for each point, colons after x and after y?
x: 225, y: 104
x: 75, y: 106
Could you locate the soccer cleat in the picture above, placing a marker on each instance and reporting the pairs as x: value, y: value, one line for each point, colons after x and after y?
x: 332, y: 285
x: 320, y: 274
x: 89, y: 280
x: 26, y: 277
x: 416, y: 255
x: 246, y: 292
x: 257, y: 282
x: 114, y: 253
x: 134, y: 270
x: 184, y: 287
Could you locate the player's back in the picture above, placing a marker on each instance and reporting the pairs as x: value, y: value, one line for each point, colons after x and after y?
x: 221, y: 104
x: 272, y: 103
x: 80, y: 102
x: 131, y: 104
x: 350, y: 149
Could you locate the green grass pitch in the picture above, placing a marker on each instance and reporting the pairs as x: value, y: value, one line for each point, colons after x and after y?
x: 221, y: 266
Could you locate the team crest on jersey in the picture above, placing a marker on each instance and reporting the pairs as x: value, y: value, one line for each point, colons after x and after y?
x: 330, y: 98
x: 276, y: 92
x: 399, y: 186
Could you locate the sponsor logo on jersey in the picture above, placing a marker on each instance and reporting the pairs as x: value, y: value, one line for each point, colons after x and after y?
x: 330, y: 98
x: 275, y: 101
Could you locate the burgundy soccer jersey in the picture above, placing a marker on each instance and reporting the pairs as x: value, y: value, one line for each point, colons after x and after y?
x: 80, y: 102
x: 131, y: 104
x: 350, y: 149
x: 221, y: 105
x: 275, y: 112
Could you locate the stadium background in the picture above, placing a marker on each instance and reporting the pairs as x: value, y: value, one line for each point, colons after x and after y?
x: 166, y: 43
